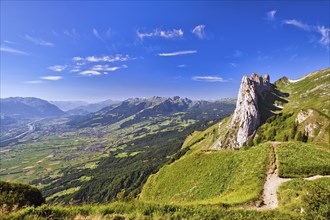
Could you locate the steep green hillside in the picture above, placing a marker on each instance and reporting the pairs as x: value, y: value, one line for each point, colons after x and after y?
x: 18, y: 195
x: 211, y: 177
x: 296, y: 159
x: 311, y: 91
x: 305, y: 113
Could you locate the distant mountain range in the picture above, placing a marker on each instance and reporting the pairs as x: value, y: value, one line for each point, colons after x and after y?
x: 135, y: 110
x: 81, y: 107
x: 29, y: 107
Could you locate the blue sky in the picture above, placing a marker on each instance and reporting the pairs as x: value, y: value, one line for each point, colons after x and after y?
x: 99, y: 50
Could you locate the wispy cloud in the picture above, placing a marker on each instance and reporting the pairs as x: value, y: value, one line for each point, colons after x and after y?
x: 181, y: 65
x: 51, y: 78
x: 199, y: 31
x: 322, y: 30
x: 96, y: 34
x: 39, y: 41
x: 9, y: 42
x: 271, y: 15
x: 298, y: 24
x: 94, y: 59
x: 71, y: 33
x: 34, y: 82
x: 107, y: 68
x: 208, y: 78
x: 325, y: 39
x: 169, y: 34
x: 7, y: 49
x: 90, y: 73
x: 57, y: 68
x: 184, y: 52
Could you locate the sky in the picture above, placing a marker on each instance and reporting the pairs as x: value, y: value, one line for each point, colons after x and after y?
x: 97, y: 50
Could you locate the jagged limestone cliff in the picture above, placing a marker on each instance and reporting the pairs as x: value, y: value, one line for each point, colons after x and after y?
x: 246, y: 118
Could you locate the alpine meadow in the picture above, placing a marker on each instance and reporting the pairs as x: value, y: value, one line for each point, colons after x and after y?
x: 165, y: 110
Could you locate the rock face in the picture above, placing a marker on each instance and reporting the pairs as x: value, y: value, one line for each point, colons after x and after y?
x: 246, y: 118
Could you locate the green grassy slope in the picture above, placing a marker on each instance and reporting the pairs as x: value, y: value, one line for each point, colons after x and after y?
x: 310, y: 198
x: 297, y: 159
x: 312, y: 91
x: 211, y: 177
x: 141, y: 210
x: 307, y: 98
x: 18, y: 195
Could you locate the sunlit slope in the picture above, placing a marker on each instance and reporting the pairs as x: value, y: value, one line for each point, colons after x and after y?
x: 210, y: 177
x: 305, y: 111
x: 297, y: 159
x: 311, y: 91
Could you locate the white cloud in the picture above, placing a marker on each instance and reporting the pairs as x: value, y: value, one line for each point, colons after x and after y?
x: 298, y: 24
x: 271, y: 15
x: 181, y: 65
x: 107, y: 68
x: 34, y: 82
x: 175, y: 33
x: 177, y: 53
x: 325, y: 39
x: 12, y: 50
x: 96, y: 59
x: 199, y: 31
x: 75, y: 70
x: 322, y: 30
x: 39, y: 41
x: 57, y: 68
x: 208, y: 79
x: 96, y: 34
x: 90, y: 73
x: 51, y: 78
x: 77, y: 59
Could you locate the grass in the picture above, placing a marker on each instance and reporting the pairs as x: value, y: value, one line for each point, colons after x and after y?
x: 63, y: 193
x: 312, y: 91
x: 141, y: 210
x: 211, y: 177
x: 297, y: 159
x: 311, y: 198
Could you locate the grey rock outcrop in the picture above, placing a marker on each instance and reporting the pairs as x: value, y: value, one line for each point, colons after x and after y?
x: 246, y: 117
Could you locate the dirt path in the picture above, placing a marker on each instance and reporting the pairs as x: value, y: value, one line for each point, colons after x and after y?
x: 273, y: 182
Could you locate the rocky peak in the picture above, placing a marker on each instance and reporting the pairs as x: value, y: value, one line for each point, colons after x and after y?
x: 246, y: 117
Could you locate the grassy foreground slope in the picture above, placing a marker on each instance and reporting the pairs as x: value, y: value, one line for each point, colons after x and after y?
x: 210, y: 177
x: 141, y: 210
x: 297, y: 159
x: 311, y: 198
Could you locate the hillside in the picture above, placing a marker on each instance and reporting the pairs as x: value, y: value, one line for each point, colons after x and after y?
x: 14, y: 196
x: 229, y: 177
